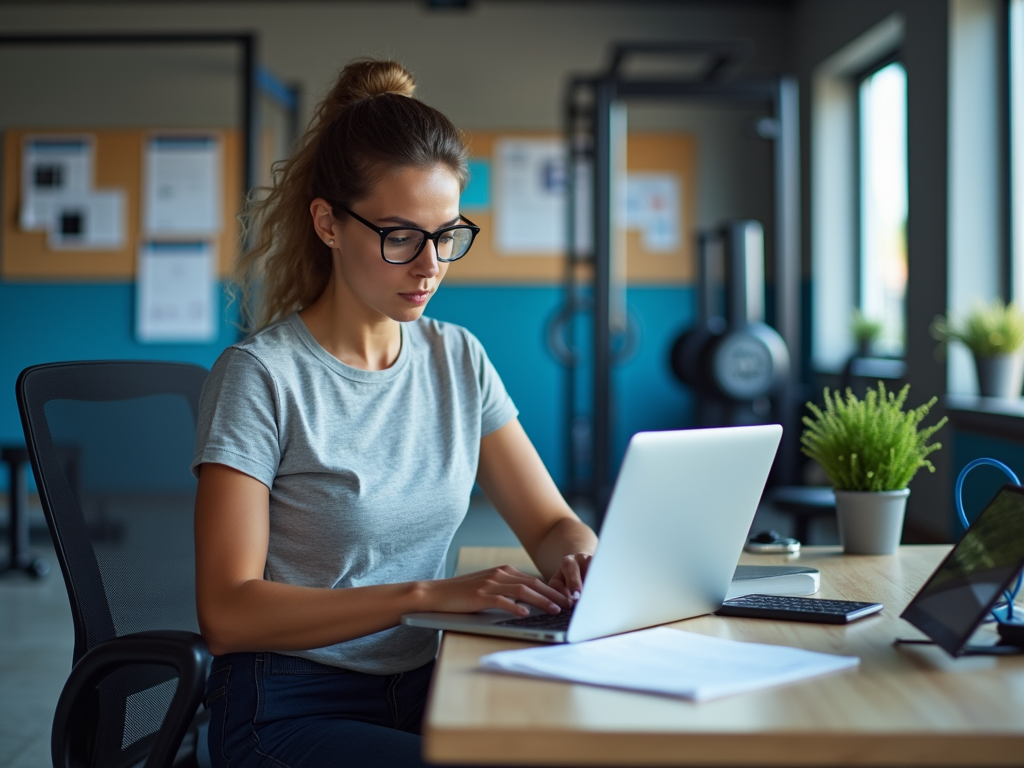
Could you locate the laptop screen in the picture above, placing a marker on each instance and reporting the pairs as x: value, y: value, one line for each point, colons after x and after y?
x: 954, y: 601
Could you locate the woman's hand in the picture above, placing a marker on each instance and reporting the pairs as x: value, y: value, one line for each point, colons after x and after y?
x: 503, y: 587
x: 568, y: 580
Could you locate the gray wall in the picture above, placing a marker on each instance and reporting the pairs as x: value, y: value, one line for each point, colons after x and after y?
x: 500, y: 65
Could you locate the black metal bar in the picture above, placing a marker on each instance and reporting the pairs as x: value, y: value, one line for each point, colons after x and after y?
x: 20, y: 557
x: 726, y: 51
x: 788, y: 272
x: 247, y: 76
x: 571, y: 459
x: 743, y: 91
x: 602, y: 415
x: 127, y: 38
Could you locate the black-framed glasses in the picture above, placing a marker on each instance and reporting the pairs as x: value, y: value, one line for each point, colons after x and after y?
x: 400, y: 245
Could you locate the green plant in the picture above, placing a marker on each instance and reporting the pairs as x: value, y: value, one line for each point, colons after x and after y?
x: 865, y: 331
x: 990, y: 329
x: 870, y: 444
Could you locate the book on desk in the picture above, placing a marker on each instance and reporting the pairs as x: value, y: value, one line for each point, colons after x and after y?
x: 774, y: 580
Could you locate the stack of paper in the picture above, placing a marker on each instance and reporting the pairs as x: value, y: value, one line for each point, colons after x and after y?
x: 669, y: 661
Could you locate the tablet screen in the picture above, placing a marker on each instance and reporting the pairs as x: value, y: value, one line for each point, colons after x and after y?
x: 954, y: 601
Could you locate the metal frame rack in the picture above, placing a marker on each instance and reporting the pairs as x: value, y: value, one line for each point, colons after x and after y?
x: 590, y: 116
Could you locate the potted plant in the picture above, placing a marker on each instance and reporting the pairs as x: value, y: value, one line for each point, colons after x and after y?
x: 871, y: 449
x: 994, y: 333
x: 865, y: 332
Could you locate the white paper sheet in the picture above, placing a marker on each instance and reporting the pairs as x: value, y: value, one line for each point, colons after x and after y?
x: 529, y: 204
x: 653, y: 205
x: 93, y: 221
x: 182, y: 186
x: 175, y: 293
x: 52, y: 167
x: 670, y: 662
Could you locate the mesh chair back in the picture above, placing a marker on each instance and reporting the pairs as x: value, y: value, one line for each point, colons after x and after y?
x: 111, y: 444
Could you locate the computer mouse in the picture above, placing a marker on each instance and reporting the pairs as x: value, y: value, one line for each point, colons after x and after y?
x: 771, y: 542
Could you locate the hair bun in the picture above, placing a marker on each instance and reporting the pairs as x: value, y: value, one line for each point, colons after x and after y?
x: 365, y: 78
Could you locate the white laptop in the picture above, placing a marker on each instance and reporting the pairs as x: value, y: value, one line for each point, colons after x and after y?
x: 676, y: 523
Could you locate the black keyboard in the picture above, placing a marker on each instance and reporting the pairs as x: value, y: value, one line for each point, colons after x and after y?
x: 797, y: 609
x: 557, y: 622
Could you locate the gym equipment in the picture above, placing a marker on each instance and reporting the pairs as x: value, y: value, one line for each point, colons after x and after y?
x: 595, y: 131
x: 737, y: 364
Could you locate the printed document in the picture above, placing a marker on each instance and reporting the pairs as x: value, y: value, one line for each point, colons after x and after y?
x: 175, y: 293
x: 52, y: 168
x: 670, y: 662
x: 182, y: 186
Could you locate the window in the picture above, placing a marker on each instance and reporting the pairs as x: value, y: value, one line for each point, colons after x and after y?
x: 882, y: 107
x: 1016, y: 45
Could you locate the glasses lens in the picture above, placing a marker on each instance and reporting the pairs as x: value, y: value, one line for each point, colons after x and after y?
x: 402, y: 245
x: 454, y: 243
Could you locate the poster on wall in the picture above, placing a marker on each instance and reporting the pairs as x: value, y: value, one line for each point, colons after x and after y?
x: 653, y: 206
x: 529, y: 204
x: 88, y: 222
x: 182, y: 186
x: 53, y: 168
x: 530, y: 194
x: 175, y: 292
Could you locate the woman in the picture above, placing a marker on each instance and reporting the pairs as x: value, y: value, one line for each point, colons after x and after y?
x: 338, y: 444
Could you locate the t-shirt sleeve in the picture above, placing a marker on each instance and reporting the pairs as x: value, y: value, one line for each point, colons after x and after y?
x: 238, y: 421
x: 497, y: 408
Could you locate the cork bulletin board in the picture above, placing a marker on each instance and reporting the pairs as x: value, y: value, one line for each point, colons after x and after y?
x: 664, y: 153
x: 24, y: 255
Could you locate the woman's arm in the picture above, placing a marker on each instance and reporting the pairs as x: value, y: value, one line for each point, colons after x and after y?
x: 240, y: 611
x: 517, y: 483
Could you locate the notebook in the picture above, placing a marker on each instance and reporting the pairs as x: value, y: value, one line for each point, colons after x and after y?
x: 774, y: 580
x: 676, y: 523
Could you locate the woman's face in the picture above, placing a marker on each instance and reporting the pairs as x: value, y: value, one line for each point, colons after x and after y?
x: 424, y: 198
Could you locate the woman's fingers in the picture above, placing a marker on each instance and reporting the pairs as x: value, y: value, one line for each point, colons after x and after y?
x: 507, y: 588
x: 572, y: 573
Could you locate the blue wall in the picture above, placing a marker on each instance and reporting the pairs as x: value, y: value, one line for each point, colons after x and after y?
x: 982, y: 482
x: 54, y: 322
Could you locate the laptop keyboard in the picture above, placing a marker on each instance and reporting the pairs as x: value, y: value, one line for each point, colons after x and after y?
x: 558, y: 621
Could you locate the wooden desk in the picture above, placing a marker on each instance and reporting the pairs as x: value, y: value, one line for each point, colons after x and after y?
x: 904, y: 705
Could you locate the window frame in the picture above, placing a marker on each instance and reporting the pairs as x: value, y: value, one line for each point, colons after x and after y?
x: 895, y: 56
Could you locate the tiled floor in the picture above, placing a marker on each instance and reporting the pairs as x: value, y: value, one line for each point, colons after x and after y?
x: 36, y: 634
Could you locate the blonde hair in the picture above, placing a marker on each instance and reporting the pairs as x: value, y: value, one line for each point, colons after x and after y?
x: 367, y: 125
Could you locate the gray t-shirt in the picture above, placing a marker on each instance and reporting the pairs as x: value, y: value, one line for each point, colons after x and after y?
x: 369, y: 471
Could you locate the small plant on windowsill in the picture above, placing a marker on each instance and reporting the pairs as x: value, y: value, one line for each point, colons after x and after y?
x: 865, y: 332
x: 871, y: 449
x: 994, y: 333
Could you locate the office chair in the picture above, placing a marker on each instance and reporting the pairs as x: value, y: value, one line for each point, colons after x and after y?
x: 110, y: 445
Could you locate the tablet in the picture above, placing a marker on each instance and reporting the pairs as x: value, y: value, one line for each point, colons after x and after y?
x: 972, y: 578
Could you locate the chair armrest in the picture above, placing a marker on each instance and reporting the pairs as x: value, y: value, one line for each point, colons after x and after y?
x: 186, y: 652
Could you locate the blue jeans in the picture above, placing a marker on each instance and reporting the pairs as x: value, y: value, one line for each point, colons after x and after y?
x: 273, y: 711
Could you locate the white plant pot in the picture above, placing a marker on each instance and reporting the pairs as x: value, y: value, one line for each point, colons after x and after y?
x: 871, y: 522
x: 1000, y: 375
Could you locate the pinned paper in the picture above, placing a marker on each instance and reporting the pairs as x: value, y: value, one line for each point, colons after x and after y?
x: 53, y: 168
x: 182, y: 186
x: 176, y: 293
x: 93, y: 221
x: 529, y: 196
x: 653, y: 206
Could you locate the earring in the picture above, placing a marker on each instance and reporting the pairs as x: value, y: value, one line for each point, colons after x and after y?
x: 330, y: 242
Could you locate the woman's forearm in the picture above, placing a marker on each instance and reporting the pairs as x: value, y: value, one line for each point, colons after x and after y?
x: 568, y: 536
x: 259, y: 615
